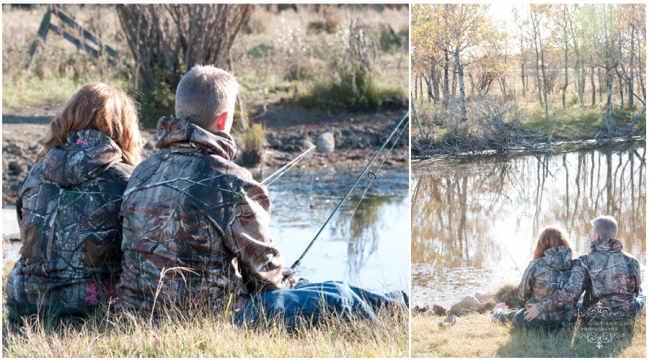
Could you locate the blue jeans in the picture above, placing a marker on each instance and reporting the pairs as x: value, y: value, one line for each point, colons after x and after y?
x: 310, y: 304
x: 639, y: 304
x: 517, y: 318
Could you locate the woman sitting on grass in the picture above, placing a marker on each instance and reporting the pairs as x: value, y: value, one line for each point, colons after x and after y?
x: 547, y: 272
x: 68, y: 207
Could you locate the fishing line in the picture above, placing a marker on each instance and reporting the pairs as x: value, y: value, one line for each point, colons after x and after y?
x: 508, y: 253
x: 374, y: 175
x: 311, y: 189
x: 297, y: 263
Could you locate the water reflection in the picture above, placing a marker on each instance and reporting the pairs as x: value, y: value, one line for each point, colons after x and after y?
x: 468, y: 214
x: 366, y: 247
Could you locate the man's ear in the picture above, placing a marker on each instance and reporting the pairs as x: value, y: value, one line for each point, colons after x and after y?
x: 221, y: 121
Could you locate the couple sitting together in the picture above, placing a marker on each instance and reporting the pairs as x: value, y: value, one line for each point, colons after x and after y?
x: 553, y: 282
x: 186, y: 228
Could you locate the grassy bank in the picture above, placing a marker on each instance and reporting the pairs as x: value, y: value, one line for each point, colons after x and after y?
x: 476, y: 336
x: 121, y: 335
x: 110, y: 334
x: 496, y: 124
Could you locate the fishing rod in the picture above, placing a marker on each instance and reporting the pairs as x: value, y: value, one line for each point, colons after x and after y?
x: 277, y: 174
x: 298, y: 262
x: 508, y: 253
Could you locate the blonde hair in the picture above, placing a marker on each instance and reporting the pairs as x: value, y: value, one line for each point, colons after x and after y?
x: 550, y: 237
x: 605, y: 225
x: 204, y: 93
x: 103, y: 108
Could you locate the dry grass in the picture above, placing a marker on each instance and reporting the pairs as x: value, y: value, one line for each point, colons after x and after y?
x: 110, y: 334
x: 123, y: 335
x: 476, y: 336
x: 59, y: 68
x: 279, y: 58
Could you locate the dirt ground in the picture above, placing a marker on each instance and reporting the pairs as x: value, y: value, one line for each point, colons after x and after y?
x: 357, y: 137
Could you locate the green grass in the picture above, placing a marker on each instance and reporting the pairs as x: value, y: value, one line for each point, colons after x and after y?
x: 574, y: 123
x: 475, y: 335
x: 31, y: 90
x: 365, y: 93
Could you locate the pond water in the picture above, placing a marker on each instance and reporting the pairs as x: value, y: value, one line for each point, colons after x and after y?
x: 369, y: 249
x: 475, y: 219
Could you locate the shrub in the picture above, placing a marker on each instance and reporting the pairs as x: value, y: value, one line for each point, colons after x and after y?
x: 357, y: 91
x: 351, y: 83
x: 253, y: 142
x: 388, y: 39
x: 261, y: 50
x: 158, y: 101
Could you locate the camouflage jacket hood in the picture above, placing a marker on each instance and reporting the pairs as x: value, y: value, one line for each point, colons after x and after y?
x: 177, y: 133
x: 543, y: 277
x: 190, y: 208
x: 86, y: 155
x: 606, y: 245
x: 68, y: 210
x: 610, y: 277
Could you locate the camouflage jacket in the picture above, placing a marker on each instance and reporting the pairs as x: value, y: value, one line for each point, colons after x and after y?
x: 195, y: 225
x: 68, y: 211
x: 543, y: 277
x: 610, y: 277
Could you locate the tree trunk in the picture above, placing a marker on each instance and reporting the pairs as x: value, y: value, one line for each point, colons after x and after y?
x: 621, y: 85
x: 429, y: 88
x: 446, y: 79
x: 421, y: 91
x: 523, y: 78
x: 565, y: 56
x: 609, y: 104
x: 599, y: 81
x: 416, y: 78
x: 592, y: 83
x: 460, y: 73
x: 642, y: 87
x: 454, y: 83
x: 631, y: 61
x: 545, y: 93
x: 538, y: 75
x: 434, y: 83
x: 582, y: 86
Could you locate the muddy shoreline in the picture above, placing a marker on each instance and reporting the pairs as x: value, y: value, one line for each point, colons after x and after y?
x: 555, y: 147
x: 357, y: 138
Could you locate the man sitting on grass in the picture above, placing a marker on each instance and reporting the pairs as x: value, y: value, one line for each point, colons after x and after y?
x: 610, y: 277
x: 195, y: 224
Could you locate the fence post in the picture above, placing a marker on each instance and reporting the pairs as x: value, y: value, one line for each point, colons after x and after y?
x: 41, y: 37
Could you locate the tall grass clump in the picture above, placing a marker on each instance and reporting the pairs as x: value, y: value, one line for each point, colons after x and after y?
x: 351, y: 82
x: 253, y: 145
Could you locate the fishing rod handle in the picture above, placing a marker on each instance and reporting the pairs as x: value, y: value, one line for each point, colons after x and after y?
x: 287, y: 279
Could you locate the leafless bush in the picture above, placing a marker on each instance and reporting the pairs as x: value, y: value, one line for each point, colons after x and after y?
x: 168, y: 39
